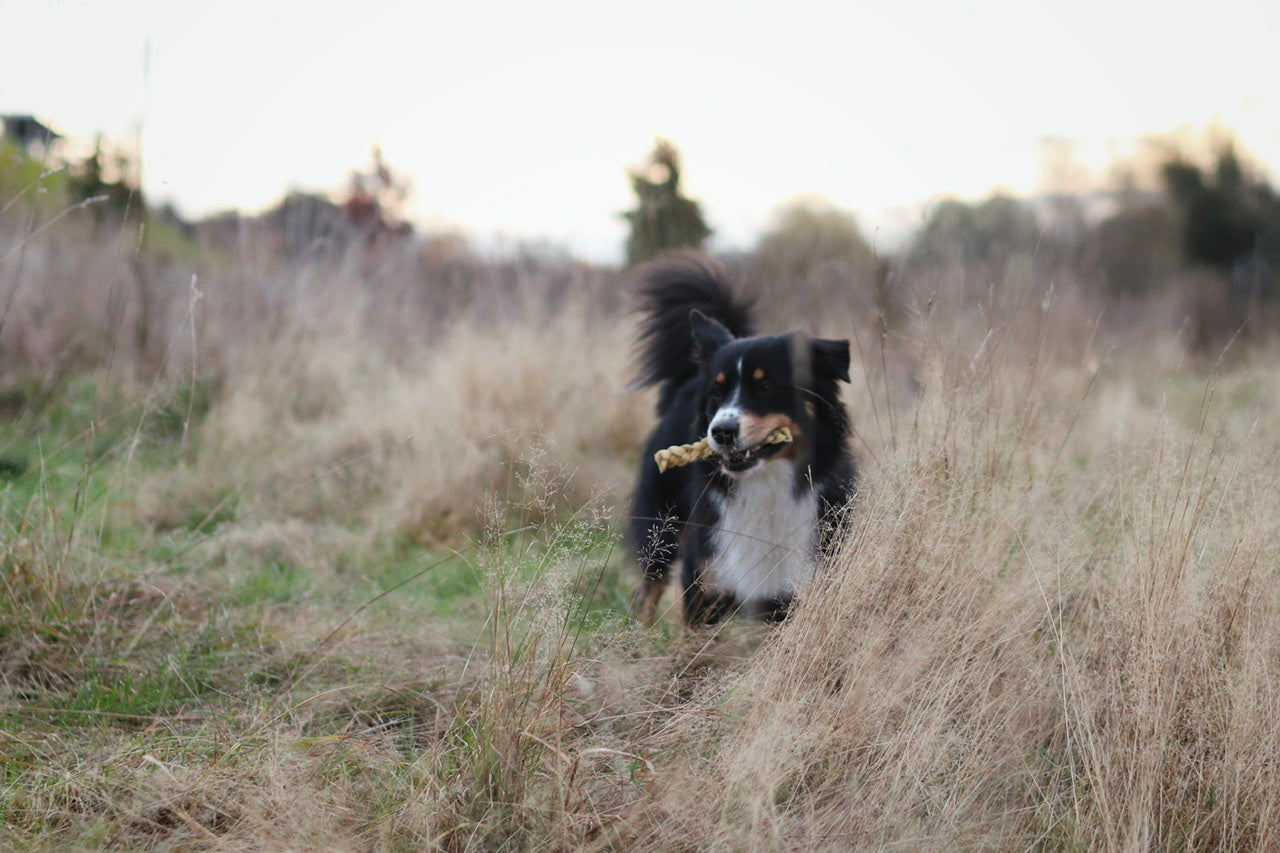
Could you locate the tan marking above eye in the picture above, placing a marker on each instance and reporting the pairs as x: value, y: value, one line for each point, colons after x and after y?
x: 719, y: 378
x: 759, y: 374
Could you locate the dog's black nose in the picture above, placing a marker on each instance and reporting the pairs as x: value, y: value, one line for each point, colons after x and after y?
x: 725, y: 433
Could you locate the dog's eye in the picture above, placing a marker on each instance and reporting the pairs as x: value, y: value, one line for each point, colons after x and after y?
x: 763, y: 382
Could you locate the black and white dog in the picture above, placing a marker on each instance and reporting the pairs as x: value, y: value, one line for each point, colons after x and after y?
x: 748, y: 522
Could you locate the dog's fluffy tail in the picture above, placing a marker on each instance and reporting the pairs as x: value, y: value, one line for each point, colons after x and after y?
x: 672, y: 288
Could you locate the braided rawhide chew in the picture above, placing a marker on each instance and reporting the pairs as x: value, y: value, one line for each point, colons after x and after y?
x: 682, y: 454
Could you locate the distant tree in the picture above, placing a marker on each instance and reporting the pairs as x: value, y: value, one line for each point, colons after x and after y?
x: 308, y: 222
x: 370, y: 208
x: 1222, y: 217
x: 986, y: 232
x: 814, y: 256
x: 106, y: 182
x: 1136, y: 248
x: 375, y: 199
x: 1230, y: 227
x: 810, y: 235
x: 664, y: 218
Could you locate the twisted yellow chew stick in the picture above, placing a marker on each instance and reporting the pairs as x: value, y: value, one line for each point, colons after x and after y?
x: 682, y: 454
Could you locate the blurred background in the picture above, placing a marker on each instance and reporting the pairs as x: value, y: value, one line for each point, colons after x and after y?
x: 857, y: 155
x: 513, y: 123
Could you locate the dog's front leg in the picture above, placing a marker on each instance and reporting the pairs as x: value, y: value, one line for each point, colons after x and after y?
x: 702, y: 603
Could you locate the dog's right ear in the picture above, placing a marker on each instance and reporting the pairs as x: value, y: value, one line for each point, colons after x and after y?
x: 708, y: 335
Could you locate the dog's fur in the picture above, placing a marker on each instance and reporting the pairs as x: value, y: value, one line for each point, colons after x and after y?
x: 749, y: 522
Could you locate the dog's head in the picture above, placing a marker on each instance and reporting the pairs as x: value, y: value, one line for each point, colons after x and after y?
x: 752, y: 386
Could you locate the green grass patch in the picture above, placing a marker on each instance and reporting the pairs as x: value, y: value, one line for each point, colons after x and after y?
x: 163, y: 667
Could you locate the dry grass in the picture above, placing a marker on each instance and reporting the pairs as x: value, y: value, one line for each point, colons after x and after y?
x: 325, y: 587
x: 496, y: 409
x: 1051, y: 626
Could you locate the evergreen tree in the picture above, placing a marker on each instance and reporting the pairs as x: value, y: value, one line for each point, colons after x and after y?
x: 1230, y: 225
x: 664, y: 219
x: 1222, y: 218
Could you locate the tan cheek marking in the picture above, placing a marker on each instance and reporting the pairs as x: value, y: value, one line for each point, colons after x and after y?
x: 754, y: 428
x: 759, y: 374
x: 719, y: 378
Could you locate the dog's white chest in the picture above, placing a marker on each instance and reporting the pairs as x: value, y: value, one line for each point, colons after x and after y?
x: 764, y: 543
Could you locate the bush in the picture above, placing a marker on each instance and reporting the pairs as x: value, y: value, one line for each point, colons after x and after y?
x: 813, y: 259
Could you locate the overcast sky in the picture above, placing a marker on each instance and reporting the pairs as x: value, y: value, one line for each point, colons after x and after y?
x: 520, y: 118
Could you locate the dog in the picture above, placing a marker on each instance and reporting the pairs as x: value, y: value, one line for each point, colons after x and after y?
x: 749, y: 522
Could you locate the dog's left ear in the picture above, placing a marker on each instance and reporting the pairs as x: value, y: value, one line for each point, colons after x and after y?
x: 831, y: 358
x: 708, y: 335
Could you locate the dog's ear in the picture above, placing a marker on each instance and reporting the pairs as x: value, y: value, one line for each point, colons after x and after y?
x: 708, y: 335
x: 831, y: 358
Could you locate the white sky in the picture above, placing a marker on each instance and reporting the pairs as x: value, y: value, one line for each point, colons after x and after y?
x: 520, y: 118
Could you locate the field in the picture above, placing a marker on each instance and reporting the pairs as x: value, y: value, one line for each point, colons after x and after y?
x: 324, y: 554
